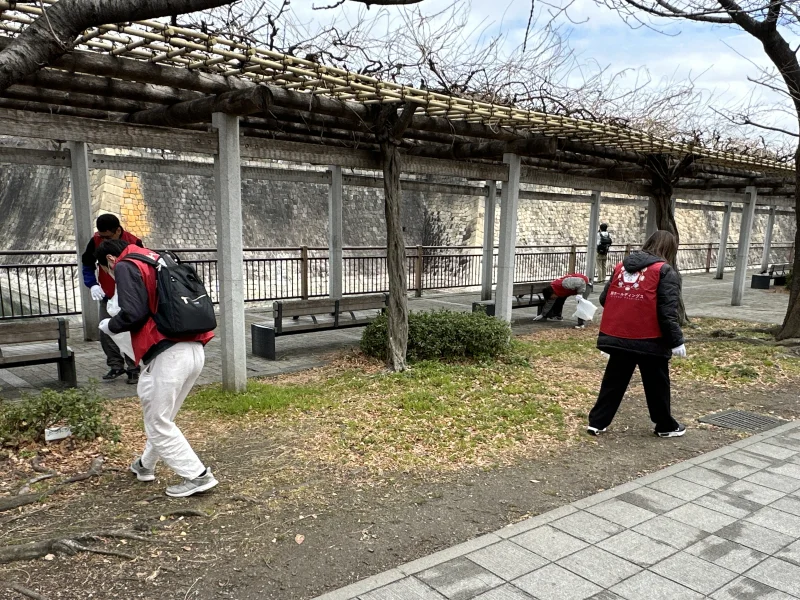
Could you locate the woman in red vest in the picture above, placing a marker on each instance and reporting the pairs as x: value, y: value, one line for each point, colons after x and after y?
x: 556, y: 294
x: 640, y: 327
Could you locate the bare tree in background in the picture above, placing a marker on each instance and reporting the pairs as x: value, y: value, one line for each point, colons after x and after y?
x: 771, y: 22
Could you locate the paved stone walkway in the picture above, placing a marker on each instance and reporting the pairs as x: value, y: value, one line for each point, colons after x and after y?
x: 725, y: 525
x: 704, y: 297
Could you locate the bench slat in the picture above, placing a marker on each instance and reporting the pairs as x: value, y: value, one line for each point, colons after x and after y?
x: 293, y: 308
x: 28, y: 336
x: 7, y: 360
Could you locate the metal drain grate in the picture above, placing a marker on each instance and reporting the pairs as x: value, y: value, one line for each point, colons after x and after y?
x: 740, y: 419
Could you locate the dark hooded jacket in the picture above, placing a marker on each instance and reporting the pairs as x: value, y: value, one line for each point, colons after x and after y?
x: 668, y: 299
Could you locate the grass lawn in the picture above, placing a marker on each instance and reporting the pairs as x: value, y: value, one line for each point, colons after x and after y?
x: 442, y: 416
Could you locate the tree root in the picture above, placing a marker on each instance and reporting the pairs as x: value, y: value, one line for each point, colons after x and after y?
x: 66, y: 545
x: 15, y: 587
x: 22, y: 499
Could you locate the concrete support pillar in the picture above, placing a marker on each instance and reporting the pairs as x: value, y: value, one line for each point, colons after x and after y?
x: 228, y: 196
x: 651, y: 218
x: 594, y: 226
x: 768, y: 240
x: 487, y: 264
x: 84, y: 230
x: 723, y: 241
x: 335, y: 260
x: 742, y: 254
x: 509, y: 201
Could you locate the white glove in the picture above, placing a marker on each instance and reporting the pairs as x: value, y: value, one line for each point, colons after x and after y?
x: 578, y: 297
x: 680, y: 351
x: 97, y: 293
x: 104, y: 326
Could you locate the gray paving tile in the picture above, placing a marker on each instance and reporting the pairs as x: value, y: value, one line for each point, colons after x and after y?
x: 751, y: 460
x: 556, y: 583
x: 698, y: 516
x: 787, y: 441
x: 789, y: 504
x: 780, y: 483
x: 693, y: 572
x: 507, y: 560
x: 405, y: 589
x: 731, y: 468
x: 788, y: 469
x: 727, y: 554
x: 637, y: 548
x: 548, y: 542
x: 505, y: 592
x: 771, y: 451
x: 459, y: 579
x: 606, y: 595
x: 748, y: 589
x: 777, y: 520
x: 587, y: 527
x: 755, y: 537
x: 621, y: 513
x: 790, y: 553
x: 647, y: 585
x: 670, y: 532
x: 779, y: 574
x: 599, y: 566
x: 652, y: 500
x: 727, y: 504
x: 752, y: 491
x: 681, y: 488
x: 704, y: 477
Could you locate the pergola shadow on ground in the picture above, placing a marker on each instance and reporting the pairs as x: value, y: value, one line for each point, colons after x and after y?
x: 157, y: 86
x: 705, y: 297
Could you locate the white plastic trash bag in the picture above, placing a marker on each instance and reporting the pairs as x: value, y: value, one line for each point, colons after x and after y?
x: 122, y: 340
x: 585, y: 310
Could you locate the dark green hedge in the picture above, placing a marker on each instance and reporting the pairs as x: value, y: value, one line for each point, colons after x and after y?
x: 442, y: 335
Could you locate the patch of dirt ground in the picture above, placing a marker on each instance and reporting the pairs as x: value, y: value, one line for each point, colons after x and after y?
x: 278, y: 529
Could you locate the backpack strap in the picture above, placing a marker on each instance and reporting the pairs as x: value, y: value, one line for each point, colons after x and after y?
x: 142, y: 258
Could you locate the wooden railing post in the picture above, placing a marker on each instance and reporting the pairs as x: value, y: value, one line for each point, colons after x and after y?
x: 627, y: 251
x: 304, y: 272
x: 418, y: 272
x: 573, y: 258
x: 708, y: 257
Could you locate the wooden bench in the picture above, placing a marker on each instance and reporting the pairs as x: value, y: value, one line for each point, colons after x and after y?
x: 319, y: 314
x: 525, y: 295
x: 16, y: 349
x: 776, y: 272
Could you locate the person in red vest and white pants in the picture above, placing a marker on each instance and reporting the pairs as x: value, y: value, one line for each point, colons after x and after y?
x: 102, y: 288
x: 171, y: 368
x: 556, y: 295
x: 641, y: 327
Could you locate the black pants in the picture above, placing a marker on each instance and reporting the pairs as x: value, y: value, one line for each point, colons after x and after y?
x: 655, y: 377
x: 114, y: 358
x: 554, y: 306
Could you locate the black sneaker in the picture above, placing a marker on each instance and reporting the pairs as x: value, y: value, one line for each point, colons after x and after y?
x: 113, y: 374
x: 595, y: 431
x: 675, y: 433
x: 133, y: 377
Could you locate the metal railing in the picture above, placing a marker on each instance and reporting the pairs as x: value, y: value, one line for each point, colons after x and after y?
x: 43, y: 284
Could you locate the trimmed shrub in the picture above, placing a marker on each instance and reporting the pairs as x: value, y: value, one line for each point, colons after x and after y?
x: 83, y: 409
x: 442, y: 334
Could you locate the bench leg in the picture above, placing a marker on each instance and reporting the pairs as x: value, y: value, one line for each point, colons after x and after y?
x: 263, y: 341
x: 67, y: 373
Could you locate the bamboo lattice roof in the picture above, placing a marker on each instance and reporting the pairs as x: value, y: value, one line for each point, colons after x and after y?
x: 163, y: 44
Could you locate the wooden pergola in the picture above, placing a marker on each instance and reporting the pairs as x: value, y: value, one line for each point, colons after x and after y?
x: 153, y: 85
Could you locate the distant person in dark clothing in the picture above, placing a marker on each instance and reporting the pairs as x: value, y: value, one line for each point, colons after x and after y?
x: 556, y: 294
x: 604, y: 242
x: 640, y: 327
x: 102, y: 288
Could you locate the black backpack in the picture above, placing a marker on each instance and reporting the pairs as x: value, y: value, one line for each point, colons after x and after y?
x: 604, y: 243
x: 184, y: 306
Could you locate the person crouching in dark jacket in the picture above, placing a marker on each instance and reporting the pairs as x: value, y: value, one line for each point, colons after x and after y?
x: 641, y: 327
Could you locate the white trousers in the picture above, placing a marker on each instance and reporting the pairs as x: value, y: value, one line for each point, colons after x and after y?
x: 163, y: 386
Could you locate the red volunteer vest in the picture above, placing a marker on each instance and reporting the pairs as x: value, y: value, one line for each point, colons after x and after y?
x: 149, y: 335
x: 558, y: 285
x: 631, y: 309
x: 105, y: 280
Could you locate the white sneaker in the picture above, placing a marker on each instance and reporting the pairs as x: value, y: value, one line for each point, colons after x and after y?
x: 142, y: 474
x: 192, y: 486
x: 676, y: 433
x: 595, y: 431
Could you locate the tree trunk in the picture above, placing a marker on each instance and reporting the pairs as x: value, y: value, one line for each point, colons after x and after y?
x: 791, y: 323
x: 395, y: 258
